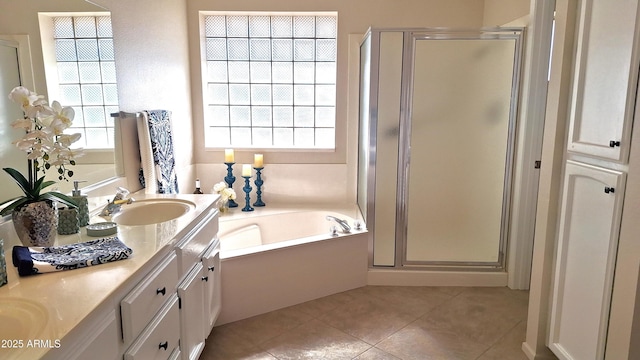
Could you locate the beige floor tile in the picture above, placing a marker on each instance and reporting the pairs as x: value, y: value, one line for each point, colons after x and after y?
x: 508, y: 347
x: 224, y: 344
x: 414, y: 300
x: 482, y: 315
x: 375, y: 354
x: 261, y: 328
x: 318, y: 307
x: 315, y: 340
x: 370, y: 319
x: 444, y: 323
x: 425, y: 343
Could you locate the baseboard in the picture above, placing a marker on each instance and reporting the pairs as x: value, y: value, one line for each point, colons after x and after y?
x: 531, y: 353
x: 435, y: 278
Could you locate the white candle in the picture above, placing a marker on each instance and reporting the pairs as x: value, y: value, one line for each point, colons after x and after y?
x: 246, y: 170
x: 258, y: 160
x: 228, y: 156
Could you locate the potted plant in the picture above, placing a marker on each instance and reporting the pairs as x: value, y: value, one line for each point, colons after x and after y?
x: 35, y: 215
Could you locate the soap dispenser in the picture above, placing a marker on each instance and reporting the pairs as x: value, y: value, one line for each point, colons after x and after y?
x: 83, y: 204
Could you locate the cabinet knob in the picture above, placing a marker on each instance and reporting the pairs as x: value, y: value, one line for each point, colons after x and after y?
x: 205, y: 278
x: 609, y: 190
x: 614, y: 143
x: 164, y: 346
x: 211, y: 268
x: 161, y: 291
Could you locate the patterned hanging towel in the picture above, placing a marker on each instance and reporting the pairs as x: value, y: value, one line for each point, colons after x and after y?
x: 36, y: 260
x: 156, y: 150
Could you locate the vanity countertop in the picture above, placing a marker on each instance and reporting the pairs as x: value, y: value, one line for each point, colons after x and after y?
x: 65, y: 298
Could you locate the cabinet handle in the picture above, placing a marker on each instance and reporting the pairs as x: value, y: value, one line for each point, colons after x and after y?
x: 205, y: 278
x: 609, y: 190
x: 211, y: 268
x: 614, y: 143
x: 164, y: 346
x: 161, y: 291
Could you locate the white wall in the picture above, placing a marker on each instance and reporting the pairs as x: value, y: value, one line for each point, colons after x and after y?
x: 500, y: 12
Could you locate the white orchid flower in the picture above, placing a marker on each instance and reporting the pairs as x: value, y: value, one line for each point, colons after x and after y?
x: 67, y: 139
x: 26, y: 124
x: 25, y: 97
x: 45, y: 141
x: 66, y: 112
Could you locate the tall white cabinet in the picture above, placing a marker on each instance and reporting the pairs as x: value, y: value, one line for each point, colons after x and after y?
x: 602, y: 103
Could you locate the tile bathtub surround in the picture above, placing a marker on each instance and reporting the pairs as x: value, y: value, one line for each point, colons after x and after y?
x: 383, y: 322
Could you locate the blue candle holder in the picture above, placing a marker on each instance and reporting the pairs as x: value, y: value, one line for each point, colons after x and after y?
x: 230, y: 179
x: 247, y: 189
x: 258, y: 183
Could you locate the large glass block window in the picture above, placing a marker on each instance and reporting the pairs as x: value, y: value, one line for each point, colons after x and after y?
x: 87, y: 76
x: 271, y: 81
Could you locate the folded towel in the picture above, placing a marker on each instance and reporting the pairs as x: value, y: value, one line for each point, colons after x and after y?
x: 161, y: 140
x: 35, y: 260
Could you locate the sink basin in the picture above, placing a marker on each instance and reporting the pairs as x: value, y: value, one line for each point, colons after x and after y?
x: 21, y: 318
x: 152, y: 211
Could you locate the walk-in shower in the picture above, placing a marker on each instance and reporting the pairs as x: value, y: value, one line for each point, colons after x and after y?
x: 437, y: 130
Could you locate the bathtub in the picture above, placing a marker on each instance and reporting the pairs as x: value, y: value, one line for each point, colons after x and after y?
x: 278, y: 256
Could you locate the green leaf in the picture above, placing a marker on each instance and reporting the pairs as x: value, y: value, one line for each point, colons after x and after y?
x: 45, y: 184
x: 59, y: 197
x: 15, y: 204
x: 22, y: 182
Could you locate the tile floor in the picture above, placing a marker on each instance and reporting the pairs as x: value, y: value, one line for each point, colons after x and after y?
x: 383, y: 322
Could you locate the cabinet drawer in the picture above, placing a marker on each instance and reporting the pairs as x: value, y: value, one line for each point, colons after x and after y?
x: 144, y: 301
x: 191, y: 247
x: 161, y: 338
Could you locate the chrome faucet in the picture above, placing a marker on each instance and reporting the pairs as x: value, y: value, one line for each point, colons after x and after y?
x: 115, y: 205
x: 343, y: 223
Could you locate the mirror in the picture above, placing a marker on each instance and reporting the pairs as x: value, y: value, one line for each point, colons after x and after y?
x: 10, y: 156
x: 26, y: 59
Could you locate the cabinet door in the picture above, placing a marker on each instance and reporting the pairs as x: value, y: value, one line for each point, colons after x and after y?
x: 605, y: 79
x: 191, y: 293
x: 585, y: 259
x: 212, y: 291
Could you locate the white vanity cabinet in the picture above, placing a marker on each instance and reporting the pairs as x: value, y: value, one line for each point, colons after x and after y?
x: 199, y: 289
x: 585, y: 260
x: 601, y: 110
x: 605, y: 77
x: 159, y: 304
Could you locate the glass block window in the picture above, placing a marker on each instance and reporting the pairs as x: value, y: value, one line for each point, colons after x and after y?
x: 87, y: 76
x: 271, y: 81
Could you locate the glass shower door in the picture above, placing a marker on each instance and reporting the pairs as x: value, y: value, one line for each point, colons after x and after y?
x: 460, y: 133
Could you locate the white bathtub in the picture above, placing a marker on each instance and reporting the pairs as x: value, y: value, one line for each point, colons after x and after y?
x: 279, y: 256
